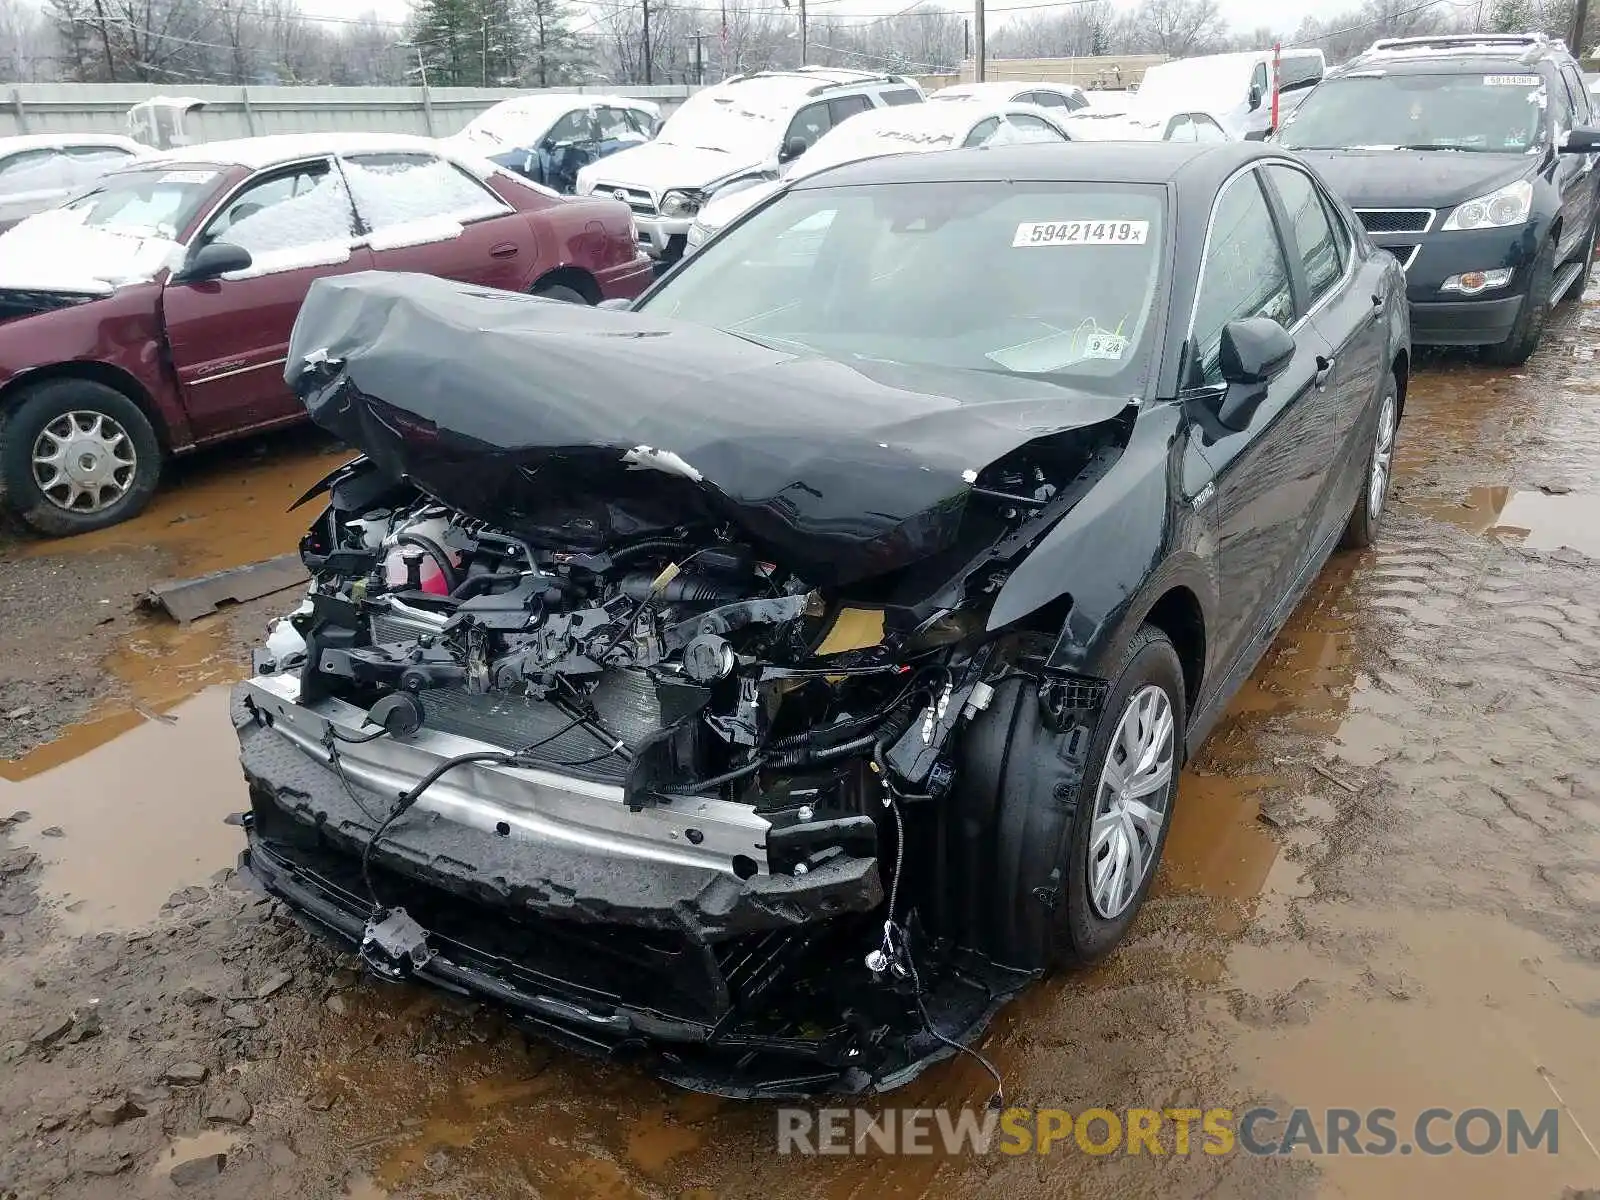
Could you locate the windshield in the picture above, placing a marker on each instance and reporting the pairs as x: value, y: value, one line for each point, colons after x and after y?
x: 710, y: 121
x: 1497, y: 114
x: 1055, y: 280
x: 153, y: 203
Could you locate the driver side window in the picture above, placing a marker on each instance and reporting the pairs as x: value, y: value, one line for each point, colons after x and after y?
x: 1245, y: 274
x: 285, y: 217
x: 574, y: 127
x: 1258, y: 79
x: 810, y: 123
x: 982, y: 131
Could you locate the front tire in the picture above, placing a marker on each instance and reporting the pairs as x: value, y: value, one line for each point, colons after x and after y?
x: 1529, y: 328
x: 1049, y: 889
x: 77, y: 456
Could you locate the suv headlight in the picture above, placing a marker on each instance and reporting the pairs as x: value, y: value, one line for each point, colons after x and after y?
x: 679, y: 203
x: 1508, y: 206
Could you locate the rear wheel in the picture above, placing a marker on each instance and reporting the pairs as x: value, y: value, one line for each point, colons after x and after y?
x: 1069, y: 866
x: 1367, y: 515
x: 77, y: 456
x: 1529, y: 327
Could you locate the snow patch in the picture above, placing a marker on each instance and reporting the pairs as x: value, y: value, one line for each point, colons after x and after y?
x: 415, y: 189
x: 420, y: 232
x: 313, y: 229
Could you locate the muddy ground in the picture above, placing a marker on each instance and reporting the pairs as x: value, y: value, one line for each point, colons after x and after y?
x: 1382, y: 888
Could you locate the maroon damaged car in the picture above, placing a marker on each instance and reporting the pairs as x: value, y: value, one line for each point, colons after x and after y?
x: 150, y: 316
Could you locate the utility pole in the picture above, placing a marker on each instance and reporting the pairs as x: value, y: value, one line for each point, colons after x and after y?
x: 699, y: 38
x: 1580, y: 14
x: 485, y: 64
x: 978, y: 63
x: 966, y: 39
x: 803, y: 31
x: 646, y: 10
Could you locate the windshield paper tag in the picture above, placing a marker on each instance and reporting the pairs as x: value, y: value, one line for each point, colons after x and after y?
x: 1104, y: 345
x: 1511, y: 81
x: 180, y: 177
x: 1081, y: 233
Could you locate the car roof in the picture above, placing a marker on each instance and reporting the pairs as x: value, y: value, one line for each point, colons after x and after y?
x: 1199, y: 164
x: 43, y: 141
x: 257, y: 152
x: 1002, y: 90
x: 1463, y: 53
x: 539, y: 103
x: 876, y: 132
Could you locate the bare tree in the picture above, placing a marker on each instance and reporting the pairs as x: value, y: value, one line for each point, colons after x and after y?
x: 1181, y: 27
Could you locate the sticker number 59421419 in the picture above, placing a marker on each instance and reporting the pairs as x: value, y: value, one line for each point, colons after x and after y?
x: 1082, y: 233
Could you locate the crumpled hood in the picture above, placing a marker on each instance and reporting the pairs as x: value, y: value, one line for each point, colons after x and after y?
x: 1415, y: 178
x: 505, y: 406
x: 54, y: 252
x: 659, y: 166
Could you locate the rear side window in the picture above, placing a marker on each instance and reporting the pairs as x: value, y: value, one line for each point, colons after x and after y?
x: 847, y: 106
x: 894, y: 97
x: 1313, y: 235
x: 1181, y: 129
x: 1245, y: 274
x: 1205, y: 129
x: 398, y: 189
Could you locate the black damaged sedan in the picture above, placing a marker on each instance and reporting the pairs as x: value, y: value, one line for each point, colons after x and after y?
x: 768, y: 683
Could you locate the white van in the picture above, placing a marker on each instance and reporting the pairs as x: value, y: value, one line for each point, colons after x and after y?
x: 1237, y: 89
x: 746, y: 125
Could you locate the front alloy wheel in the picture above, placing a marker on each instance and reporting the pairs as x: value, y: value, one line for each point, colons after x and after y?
x: 1131, y: 802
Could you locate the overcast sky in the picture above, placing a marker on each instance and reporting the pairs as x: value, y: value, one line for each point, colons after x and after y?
x: 1242, y: 15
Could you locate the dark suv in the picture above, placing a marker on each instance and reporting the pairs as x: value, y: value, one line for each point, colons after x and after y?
x: 1471, y: 159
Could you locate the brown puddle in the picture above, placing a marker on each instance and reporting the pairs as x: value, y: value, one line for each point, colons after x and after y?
x: 159, y: 665
x: 1533, y: 519
x: 227, y: 510
x: 142, y: 814
x: 1416, y: 1011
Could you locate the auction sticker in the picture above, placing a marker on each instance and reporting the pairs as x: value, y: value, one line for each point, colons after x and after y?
x: 1511, y: 81
x: 1082, y: 233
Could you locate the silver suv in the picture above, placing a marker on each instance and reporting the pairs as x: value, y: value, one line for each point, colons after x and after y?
x: 746, y: 125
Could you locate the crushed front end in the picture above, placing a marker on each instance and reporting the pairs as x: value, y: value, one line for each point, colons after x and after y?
x: 575, y: 729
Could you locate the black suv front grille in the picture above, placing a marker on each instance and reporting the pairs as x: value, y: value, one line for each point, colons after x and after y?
x: 1395, y: 220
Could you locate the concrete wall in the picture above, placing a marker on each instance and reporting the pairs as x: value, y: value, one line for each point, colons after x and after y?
x: 245, y: 111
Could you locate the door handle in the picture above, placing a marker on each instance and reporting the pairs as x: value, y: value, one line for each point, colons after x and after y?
x: 1324, y: 370
x: 504, y: 250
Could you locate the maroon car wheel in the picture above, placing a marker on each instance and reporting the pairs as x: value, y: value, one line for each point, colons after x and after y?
x: 75, y: 456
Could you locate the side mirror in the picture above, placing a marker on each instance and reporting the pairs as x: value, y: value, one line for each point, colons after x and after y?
x: 212, y: 260
x: 792, y: 149
x: 1254, y: 96
x: 1585, y: 139
x: 616, y: 304
x: 1253, y: 352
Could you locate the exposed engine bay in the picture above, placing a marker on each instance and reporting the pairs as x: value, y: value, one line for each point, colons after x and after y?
x: 601, y: 748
